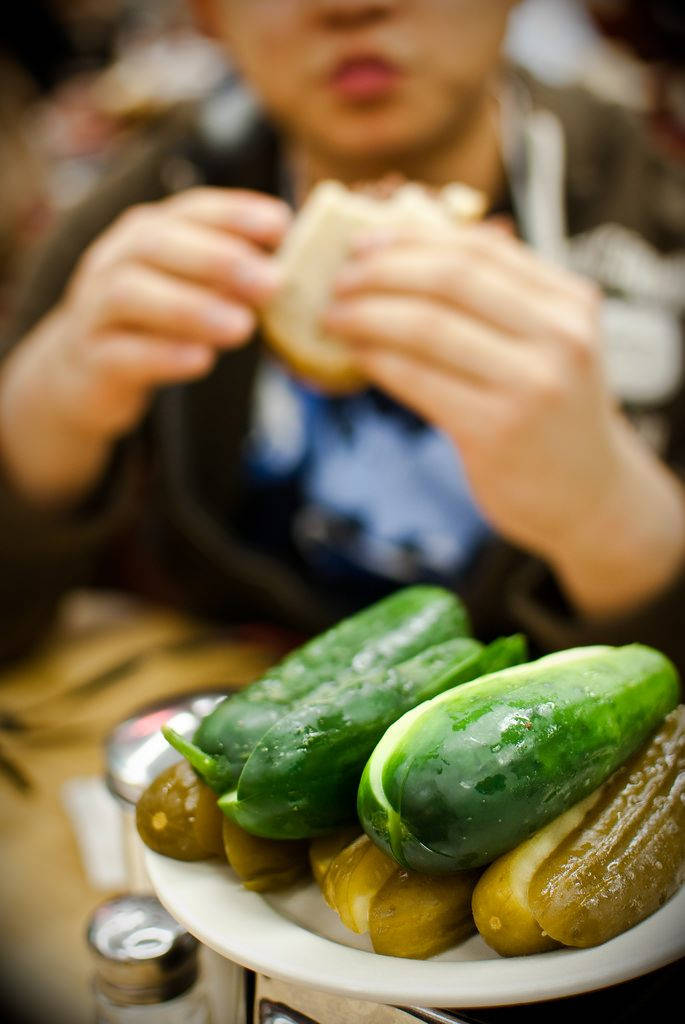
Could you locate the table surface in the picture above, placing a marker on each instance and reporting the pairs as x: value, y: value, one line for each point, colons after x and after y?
x: 46, y: 899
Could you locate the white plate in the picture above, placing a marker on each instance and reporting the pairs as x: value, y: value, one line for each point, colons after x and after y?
x: 295, y: 937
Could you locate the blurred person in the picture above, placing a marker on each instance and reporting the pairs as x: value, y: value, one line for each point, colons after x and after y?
x: 146, y: 441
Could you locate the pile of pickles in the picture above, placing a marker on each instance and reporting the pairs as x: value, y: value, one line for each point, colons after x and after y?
x: 592, y: 873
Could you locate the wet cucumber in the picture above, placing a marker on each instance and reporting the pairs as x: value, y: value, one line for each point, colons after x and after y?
x: 473, y: 772
x: 386, y: 633
x: 301, y: 778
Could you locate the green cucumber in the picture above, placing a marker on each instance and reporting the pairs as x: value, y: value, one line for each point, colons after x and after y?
x: 386, y: 633
x: 471, y: 773
x: 301, y: 778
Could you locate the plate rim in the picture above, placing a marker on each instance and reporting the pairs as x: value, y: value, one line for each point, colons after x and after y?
x: 467, y: 983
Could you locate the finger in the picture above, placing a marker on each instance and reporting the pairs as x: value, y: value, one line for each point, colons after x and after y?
x: 254, y: 215
x: 490, y: 242
x: 219, y: 261
x: 504, y: 223
x: 487, y: 243
x: 482, y: 289
x: 143, y: 298
x: 430, y: 332
x: 429, y: 392
x: 146, y: 360
x: 226, y: 262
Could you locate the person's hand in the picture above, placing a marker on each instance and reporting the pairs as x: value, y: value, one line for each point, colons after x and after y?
x: 501, y: 351
x: 153, y: 301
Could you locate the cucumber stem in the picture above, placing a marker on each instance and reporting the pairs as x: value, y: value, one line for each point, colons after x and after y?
x: 204, y: 764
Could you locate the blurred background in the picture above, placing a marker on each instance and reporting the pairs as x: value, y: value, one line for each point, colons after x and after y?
x: 78, y: 78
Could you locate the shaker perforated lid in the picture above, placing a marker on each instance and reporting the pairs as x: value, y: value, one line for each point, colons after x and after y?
x: 136, y: 751
x: 142, y: 954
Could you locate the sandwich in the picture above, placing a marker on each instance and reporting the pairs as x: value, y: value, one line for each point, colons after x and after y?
x: 315, y: 250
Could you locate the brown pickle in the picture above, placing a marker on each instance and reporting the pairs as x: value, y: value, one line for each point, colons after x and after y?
x: 177, y: 815
x: 628, y: 856
x: 324, y: 849
x: 418, y: 916
x: 264, y: 865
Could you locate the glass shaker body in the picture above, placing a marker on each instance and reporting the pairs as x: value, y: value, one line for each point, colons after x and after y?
x: 189, y: 1008
x: 146, y: 965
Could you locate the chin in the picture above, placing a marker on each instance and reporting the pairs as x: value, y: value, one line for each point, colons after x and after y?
x: 399, y: 131
x: 372, y: 140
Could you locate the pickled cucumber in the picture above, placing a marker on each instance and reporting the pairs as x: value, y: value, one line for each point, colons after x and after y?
x: 263, y: 865
x: 500, y: 901
x: 324, y: 850
x: 354, y: 878
x: 599, y: 868
x: 405, y: 913
x: 628, y: 857
x: 418, y: 916
x: 177, y: 815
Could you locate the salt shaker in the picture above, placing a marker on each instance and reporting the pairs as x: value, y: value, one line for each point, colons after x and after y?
x: 135, y: 753
x: 146, y: 965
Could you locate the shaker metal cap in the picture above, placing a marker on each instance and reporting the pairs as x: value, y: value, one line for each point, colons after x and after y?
x: 136, y: 751
x: 142, y: 954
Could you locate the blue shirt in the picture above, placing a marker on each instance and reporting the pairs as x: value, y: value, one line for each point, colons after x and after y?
x: 378, y: 490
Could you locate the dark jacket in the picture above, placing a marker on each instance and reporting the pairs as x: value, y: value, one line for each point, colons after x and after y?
x: 165, y: 521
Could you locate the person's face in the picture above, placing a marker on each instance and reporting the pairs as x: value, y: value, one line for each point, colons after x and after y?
x: 364, y: 80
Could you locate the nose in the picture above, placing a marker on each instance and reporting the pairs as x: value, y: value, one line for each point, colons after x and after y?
x: 353, y: 13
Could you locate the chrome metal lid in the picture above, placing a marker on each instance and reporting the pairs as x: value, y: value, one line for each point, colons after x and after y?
x: 136, y: 751
x: 142, y: 954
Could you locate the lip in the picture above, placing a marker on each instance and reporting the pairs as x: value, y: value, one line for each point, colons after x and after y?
x: 364, y: 77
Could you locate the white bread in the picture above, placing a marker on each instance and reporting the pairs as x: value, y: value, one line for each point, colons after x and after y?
x: 316, y: 248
